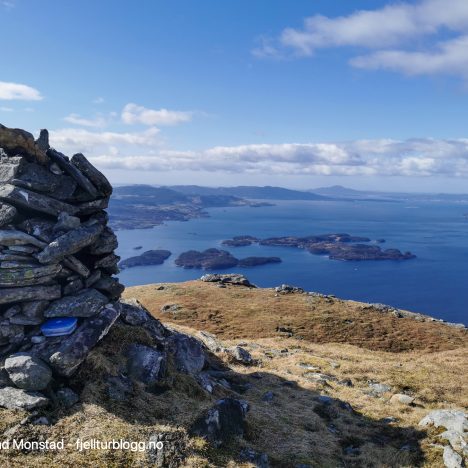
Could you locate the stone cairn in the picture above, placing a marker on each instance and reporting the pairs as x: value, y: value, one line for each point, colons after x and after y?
x: 56, y: 260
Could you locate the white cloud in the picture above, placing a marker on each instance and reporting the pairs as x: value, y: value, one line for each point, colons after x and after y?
x: 134, y: 114
x: 98, y: 100
x: 6, y: 109
x: 399, y: 34
x: 414, y: 157
x: 73, y: 140
x: 449, y: 57
x: 17, y: 91
x: 76, y: 119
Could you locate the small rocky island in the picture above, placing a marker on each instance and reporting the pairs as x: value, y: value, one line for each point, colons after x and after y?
x: 336, y: 246
x: 215, y: 259
x: 150, y: 257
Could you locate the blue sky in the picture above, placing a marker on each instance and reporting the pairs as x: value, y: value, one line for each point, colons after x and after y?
x: 367, y: 94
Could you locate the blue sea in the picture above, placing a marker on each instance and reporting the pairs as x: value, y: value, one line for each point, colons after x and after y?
x: 435, y: 283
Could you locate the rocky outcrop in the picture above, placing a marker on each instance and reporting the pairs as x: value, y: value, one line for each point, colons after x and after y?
x: 56, y: 261
x: 233, y: 278
x: 456, y: 424
x: 225, y: 420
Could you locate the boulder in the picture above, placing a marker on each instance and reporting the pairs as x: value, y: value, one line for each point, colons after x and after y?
x: 221, y: 423
x: 146, y: 364
x: 187, y: 353
x: 454, y: 420
x: 16, y: 398
x: 452, y: 459
x: 401, y: 398
x: 16, y: 141
x: 233, y: 278
x: 132, y: 312
x: 240, y: 354
x: 28, y: 372
x: 67, y: 397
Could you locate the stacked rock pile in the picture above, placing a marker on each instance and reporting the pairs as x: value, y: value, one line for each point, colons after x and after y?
x: 56, y: 255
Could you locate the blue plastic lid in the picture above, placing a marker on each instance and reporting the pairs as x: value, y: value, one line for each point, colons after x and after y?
x: 59, y: 326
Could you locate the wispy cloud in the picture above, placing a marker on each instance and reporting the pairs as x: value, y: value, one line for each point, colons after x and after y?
x: 72, y: 140
x: 97, y: 122
x: 6, y: 109
x: 16, y: 91
x: 135, y: 114
x: 98, y: 100
x: 8, y: 4
x: 406, y: 37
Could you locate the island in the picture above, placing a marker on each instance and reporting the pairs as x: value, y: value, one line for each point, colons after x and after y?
x: 150, y: 257
x: 215, y: 259
x: 339, y: 246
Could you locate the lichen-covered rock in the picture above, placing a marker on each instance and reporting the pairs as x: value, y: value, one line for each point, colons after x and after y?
x: 27, y: 371
x: 84, y: 304
x: 71, y: 242
x: 187, y: 353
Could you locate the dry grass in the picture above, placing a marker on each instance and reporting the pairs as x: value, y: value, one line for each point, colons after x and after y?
x: 294, y: 427
x: 237, y: 312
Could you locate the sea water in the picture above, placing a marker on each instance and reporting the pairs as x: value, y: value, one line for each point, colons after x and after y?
x: 435, y: 283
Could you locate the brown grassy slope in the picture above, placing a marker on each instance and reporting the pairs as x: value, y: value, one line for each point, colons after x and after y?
x: 238, y: 312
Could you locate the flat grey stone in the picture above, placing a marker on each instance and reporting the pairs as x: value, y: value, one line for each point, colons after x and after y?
x: 13, y: 237
x: 7, y: 213
x: 30, y: 293
x: 29, y: 200
x: 75, y: 265
x: 28, y: 276
x: 73, y: 171
x: 84, y: 304
x: 70, y: 243
x: 16, y: 398
x: 98, y: 179
x: 106, y: 243
x: 28, y: 372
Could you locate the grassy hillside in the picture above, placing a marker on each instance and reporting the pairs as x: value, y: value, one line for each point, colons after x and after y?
x: 312, y: 385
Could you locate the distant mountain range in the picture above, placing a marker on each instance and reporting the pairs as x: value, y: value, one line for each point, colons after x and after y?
x: 138, y: 206
x: 252, y: 192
